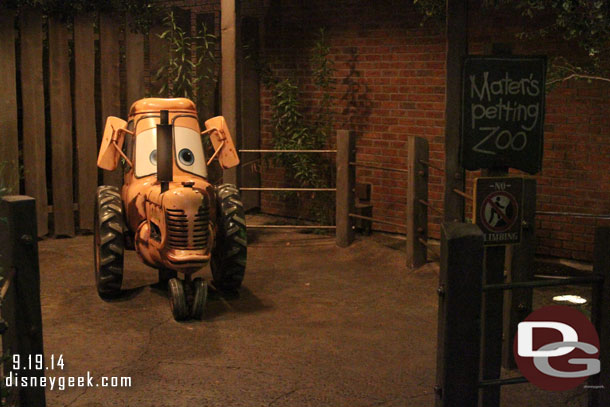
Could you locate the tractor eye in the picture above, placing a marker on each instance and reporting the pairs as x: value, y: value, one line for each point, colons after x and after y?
x: 186, y: 156
x: 153, y: 157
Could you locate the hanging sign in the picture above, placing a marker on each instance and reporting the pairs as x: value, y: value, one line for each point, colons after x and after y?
x: 503, y: 112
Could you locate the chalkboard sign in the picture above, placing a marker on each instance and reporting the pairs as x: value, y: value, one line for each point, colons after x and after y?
x: 503, y: 112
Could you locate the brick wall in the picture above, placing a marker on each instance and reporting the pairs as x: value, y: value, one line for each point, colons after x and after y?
x: 390, y: 85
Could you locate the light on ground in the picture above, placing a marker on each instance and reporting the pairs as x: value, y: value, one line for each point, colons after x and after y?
x: 572, y: 299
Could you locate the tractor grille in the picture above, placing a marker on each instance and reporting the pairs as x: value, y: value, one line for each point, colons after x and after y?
x: 179, y: 225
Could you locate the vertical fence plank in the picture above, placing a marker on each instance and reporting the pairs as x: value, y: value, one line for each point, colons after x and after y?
x: 19, y: 251
x: 134, y: 60
x: 459, y: 315
x: 346, y: 184
x: 110, y: 82
x: 84, y: 117
x: 417, y: 214
x: 157, y: 56
x: 9, y: 144
x: 32, y: 91
x: 61, y: 129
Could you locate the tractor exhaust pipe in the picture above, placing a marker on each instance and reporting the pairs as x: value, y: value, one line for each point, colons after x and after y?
x: 164, y: 151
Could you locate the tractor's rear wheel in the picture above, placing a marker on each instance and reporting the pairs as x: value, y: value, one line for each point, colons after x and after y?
x: 230, y: 251
x: 108, y: 243
x: 177, y: 299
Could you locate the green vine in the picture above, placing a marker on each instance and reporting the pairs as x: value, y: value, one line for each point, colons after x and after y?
x: 184, y: 76
x: 584, y: 23
x: 292, y: 131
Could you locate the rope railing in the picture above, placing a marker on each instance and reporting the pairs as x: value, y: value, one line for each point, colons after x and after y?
x: 287, y: 151
x: 291, y: 227
x: 426, y: 203
x: 573, y: 214
x: 385, y: 222
x: 346, y: 209
x: 428, y: 164
x: 432, y: 248
x: 462, y: 194
x: 377, y: 167
x: 289, y: 189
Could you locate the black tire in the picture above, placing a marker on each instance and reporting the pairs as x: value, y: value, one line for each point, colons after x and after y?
x: 200, y: 296
x: 177, y: 299
x: 108, y: 241
x: 230, y: 251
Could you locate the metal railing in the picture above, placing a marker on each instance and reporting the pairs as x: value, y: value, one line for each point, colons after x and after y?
x: 416, y: 215
x: 460, y: 330
x: 417, y: 191
x: 288, y: 189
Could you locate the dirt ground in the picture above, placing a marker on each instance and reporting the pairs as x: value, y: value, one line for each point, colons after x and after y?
x: 314, y: 325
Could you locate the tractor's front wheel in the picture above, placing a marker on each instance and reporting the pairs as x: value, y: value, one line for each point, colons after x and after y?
x: 108, y: 243
x: 200, y: 295
x: 177, y: 299
x: 230, y: 251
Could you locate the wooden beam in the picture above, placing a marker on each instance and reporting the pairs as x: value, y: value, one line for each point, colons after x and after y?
x: 457, y: 48
x: 417, y: 213
x: 346, y: 182
x: 9, y: 144
x: 61, y: 128
x: 157, y: 56
x: 110, y: 83
x: 459, y: 313
x: 134, y: 60
x: 32, y: 99
x: 229, y: 11
x: 84, y: 112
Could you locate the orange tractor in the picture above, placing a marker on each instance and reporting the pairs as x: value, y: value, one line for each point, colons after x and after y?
x: 167, y: 210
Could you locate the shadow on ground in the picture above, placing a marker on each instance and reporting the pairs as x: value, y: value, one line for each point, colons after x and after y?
x: 314, y: 325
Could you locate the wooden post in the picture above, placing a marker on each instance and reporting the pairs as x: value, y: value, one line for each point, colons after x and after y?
x: 134, y: 64
x: 459, y: 315
x: 84, y: 112
x: 9, y: 147
x: 600, y: 316
x: 493, y: 305
x: 110, y: 83
x: 346, y: 183
x: 32, y: 91
x: 229, y: 37
x: 457, y: 49
x: 493, y: 308
x: 417, y: 214
x: 19, y: 251
x: 61, y: 129
x: 518, y: 302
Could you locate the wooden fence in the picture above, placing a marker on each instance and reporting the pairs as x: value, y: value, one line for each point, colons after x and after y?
x: 59, y: 81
